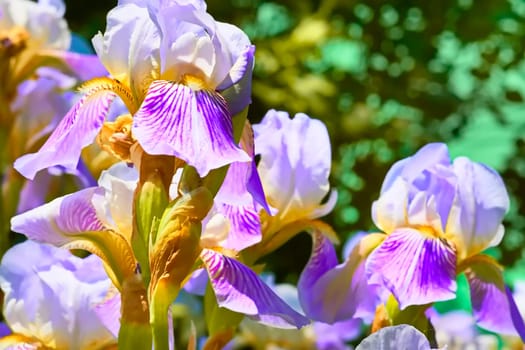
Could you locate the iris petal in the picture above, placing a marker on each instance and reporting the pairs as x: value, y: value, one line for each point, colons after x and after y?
x: 481, y: 203
x: 490, y: 303
x: 239, y: 289
x: 54, y: 221
x: 193, y: 125
x: 245, y: 226
x: 417, y: 269
x: 331, y: 293
x: 76, y: 130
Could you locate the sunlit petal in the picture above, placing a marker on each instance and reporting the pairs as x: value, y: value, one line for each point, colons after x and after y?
x: 76, y: 130
x: 193, y: 125
x: 55, y: 221
x: 245, y: 226
x: 417, y: 269
x: 239, y: 289
x: 481, y: 202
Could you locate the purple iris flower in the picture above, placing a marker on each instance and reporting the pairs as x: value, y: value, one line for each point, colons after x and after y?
x: 50, y: 298
x: 182, y: 76
x: 438, y: 216
x: 104, y: 213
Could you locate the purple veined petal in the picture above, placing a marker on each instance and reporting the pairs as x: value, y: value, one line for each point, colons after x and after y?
x: 59, y: 220
x: 491, y: 305
x: 395, y: 337
x: 242, y: 184
x: 238, y: 288
x: 331, y: 292
x: 193, y: 125
x: 481, y: 202
x: 417, y: 269
x: 76, y: 130
x: 108, y: 312
x: 245, y: 226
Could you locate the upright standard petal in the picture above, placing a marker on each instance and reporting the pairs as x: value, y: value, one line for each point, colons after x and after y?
x: 490, y: 302
x: 193, y: 125
x: 239, y: 289
x: 76, y: 130
x: 480, y: 204
x: 417, y: 269
x: 279, y: 141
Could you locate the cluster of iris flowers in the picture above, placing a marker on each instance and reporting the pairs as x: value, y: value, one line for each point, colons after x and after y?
x: 180, y: 196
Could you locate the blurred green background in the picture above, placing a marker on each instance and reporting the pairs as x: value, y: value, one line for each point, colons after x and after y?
x: 386, y: 78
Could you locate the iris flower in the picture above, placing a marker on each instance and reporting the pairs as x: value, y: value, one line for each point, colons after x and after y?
x: 182, y: 76
x: 50, y: 298
x: 98, y: 219
x: 438, y: 217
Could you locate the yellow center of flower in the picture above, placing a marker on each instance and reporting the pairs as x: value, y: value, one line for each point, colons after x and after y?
x: 193, y: 82
x: 12, y: 42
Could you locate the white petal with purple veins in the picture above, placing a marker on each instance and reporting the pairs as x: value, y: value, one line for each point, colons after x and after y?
x: 76, y: 130
x: 193, y: 125
x: 417, y: 269
x: 59, y: 220
x: 239, y: 289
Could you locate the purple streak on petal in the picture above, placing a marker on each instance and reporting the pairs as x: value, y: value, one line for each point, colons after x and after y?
x: 239, y: 289
x: 192, y: 125
x: 245, y: 226
x: 490, y: 303
x: 242, y: 184
x: 415, y: 268
x: 331, y: 293
x: 76, y: 130
x: 256, y: 189
x: 57, y: 220
x: 108, y: 313
x: 515, y: 314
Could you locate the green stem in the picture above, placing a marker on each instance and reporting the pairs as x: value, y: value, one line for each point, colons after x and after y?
x: 135, y: 331
x: 160, y: 324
